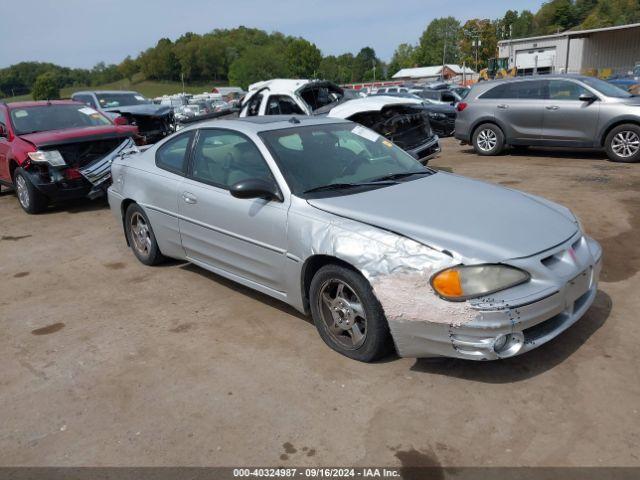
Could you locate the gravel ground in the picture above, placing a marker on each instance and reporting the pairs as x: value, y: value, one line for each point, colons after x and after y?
x: 108, y: 362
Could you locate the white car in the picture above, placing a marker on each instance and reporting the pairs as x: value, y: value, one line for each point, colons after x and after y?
x: 400, y: 120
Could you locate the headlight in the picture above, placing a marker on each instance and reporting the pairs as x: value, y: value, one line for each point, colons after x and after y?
x: 464, y: 282
x: 52, y: 157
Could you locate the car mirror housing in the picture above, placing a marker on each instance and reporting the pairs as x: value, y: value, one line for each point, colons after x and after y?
x: 120, y: 121
x: 587, y: 97
x: 256, y: 188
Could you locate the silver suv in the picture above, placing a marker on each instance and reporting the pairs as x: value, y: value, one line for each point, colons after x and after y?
x: 551, y: 111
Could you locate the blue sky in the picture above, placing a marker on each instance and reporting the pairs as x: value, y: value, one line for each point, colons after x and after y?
x: 79, y: 33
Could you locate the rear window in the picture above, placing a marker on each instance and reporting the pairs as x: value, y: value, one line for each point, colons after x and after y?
x: 55, y: 117
x: 527, y: 90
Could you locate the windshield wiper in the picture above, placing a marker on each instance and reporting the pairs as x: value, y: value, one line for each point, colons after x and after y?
x: 340, y: 186
x: 398, y: 176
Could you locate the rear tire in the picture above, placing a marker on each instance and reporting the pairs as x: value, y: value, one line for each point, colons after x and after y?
x: 141, y: 237
x: 347, y: 314
x: 488, y: 139
x: 29, y: 197
x: 623, y: 143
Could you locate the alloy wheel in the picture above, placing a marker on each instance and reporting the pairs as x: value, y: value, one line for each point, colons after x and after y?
x: 140, y: 234
x: 487, y: 140
x: 23, y: 191
x: 342, y: 313
x: 626, y: 144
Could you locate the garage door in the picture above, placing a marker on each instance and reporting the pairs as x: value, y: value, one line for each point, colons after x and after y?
x: 538, y: 57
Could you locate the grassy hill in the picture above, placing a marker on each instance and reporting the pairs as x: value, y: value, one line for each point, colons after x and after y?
x: 148, y: 88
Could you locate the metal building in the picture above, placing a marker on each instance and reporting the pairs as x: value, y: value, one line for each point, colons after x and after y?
x: 601, y: 51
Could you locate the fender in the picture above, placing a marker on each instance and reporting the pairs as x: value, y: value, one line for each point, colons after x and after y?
x: 489, y: 119
x: 600, y: 136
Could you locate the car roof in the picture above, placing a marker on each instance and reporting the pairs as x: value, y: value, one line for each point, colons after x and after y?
x: 132, y: 92
x: 563, y: 76
x: 40, y: 103
x: 268, y: 122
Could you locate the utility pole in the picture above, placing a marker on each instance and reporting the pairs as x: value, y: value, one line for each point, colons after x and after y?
x: 444, y: 53
x: 374, y: 69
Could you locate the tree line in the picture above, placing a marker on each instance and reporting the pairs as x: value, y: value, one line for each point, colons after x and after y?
x: 242, y: 55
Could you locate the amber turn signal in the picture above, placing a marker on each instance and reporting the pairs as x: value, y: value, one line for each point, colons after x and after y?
x: 447, y: 283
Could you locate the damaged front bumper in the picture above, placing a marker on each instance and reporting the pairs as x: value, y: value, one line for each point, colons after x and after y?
x: 500, y: 326
x: 425, y: 152
x: 90, y: 181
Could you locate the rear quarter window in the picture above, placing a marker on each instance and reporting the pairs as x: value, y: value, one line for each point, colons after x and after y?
x: 172, y: 156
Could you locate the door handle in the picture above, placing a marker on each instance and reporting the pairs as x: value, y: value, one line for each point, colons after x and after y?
x: 502, y: 106
x: 552, y: 107
x: 189, y: 198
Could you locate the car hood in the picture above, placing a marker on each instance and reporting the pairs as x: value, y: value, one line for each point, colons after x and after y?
x: 368, y: 104
x: 149, y: 109
x: 478, y: 221
x: 72, y: 135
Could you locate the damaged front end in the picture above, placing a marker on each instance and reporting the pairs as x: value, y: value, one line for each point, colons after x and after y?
x: 405, y: 125
x: 152, y: 126
x: 489, y: 327
x: 75, y: 169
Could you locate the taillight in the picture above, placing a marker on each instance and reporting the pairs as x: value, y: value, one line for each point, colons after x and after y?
x: 461, y: 106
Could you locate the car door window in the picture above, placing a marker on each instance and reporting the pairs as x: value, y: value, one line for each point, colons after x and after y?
x: 223, y: 158
x: 448, y: 97
x: 282, y: 105
x: 564, y: 90
x: 253, y: 106
x: 527, y: 90
x: 172, y: 155
x: 86, y: 99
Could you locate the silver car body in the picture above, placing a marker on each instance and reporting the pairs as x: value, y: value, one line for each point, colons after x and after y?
x: 397, y: 237
x: 539, y: 121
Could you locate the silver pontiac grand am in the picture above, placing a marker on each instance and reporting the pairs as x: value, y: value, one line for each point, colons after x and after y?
x: 335, y: 220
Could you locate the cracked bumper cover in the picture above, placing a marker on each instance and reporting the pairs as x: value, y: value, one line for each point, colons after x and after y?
x: 532, y: 322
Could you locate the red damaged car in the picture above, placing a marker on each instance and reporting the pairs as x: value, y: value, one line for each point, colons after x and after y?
x: 58, y: 150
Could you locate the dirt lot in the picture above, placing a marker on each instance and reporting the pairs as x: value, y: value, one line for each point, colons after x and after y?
x: 108, y: 362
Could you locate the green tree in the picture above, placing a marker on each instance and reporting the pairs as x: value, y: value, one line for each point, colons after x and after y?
x: 440, y: 39
x: 337, y: 69
x: 403, y: 57
x: 366, y: 66
x: 484, y: 31
x: 128, y: 68
x: 303, y: 58
x: 256, y: 64
x: 46, y: 87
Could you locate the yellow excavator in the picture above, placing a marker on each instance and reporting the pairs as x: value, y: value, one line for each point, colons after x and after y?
x: 498, y: 68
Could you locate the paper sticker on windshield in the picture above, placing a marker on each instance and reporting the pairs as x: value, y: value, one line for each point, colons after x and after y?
x: 88, y: 111
x: 365, y: 133
x: 139, y: 98
x: 387, y: 143
x: 20, y: 113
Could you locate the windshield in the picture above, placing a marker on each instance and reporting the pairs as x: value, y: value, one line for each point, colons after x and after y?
x: 316, y: 156
x: 606, y: 88
x: 55, y: 117
x: 110, y: 100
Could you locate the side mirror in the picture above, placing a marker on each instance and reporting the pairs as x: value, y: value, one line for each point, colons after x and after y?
x: 587, y: 97
x: 120, y: 120
x: 256, y: 188
x: 3, y: 131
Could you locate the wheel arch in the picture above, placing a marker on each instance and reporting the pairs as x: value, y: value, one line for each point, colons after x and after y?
x: 310, y: 268
x: 616, y: 123
x: 490, y: 120
x: 124, y: 205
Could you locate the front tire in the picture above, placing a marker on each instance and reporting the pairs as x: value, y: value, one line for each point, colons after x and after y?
x: 29, y: 197
x: 488, y: 139
x: 623, y: 144
x: 141, y: 237
x: 347, y: 314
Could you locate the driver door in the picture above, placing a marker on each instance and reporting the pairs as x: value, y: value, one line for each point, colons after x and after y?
x: 244, y: 238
